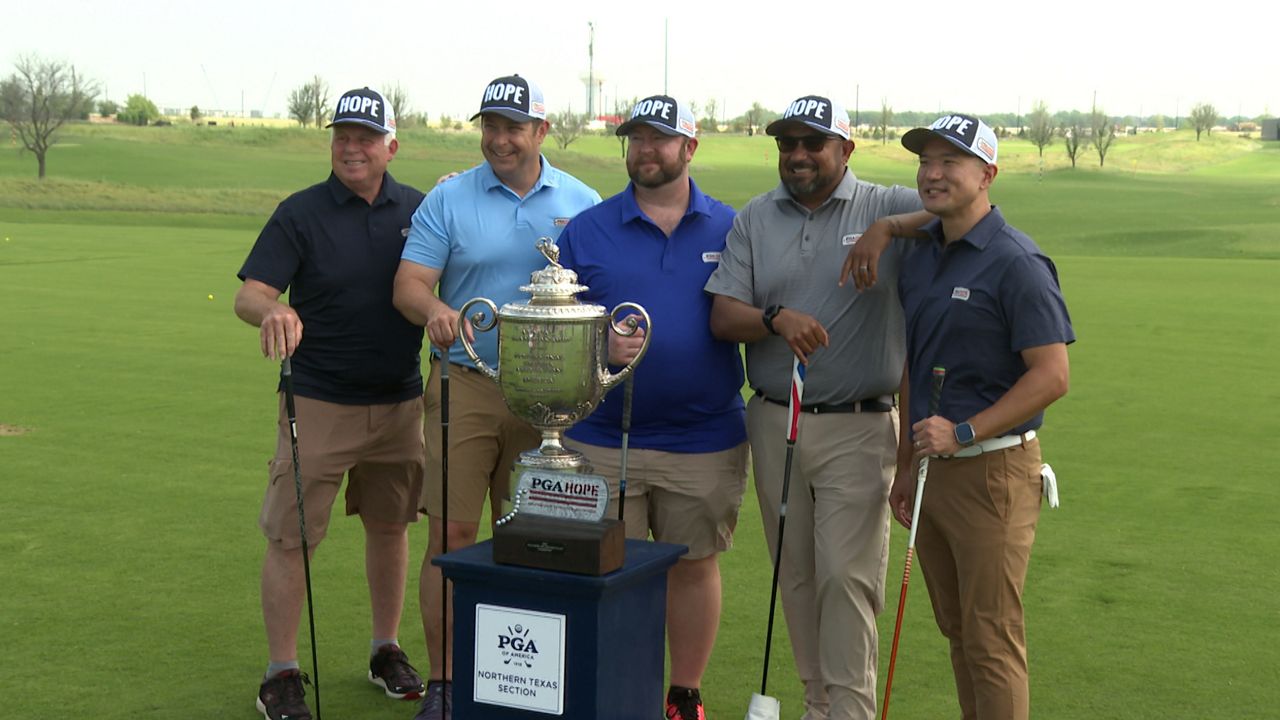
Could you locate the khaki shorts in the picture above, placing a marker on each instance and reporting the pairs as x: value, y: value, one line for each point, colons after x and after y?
x: 379, y: 449
x: 485, y: 440
x: 685, y: 498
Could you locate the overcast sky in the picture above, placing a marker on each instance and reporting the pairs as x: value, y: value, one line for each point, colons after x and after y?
x: 1001, y: 56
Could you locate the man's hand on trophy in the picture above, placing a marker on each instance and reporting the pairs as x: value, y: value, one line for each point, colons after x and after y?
x: 624, y: 348
x: 442, y: 327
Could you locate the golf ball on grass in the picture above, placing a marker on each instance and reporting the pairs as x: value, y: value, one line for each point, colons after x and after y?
x: 210, y: 296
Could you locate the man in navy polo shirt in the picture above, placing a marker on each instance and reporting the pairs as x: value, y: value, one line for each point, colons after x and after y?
x: 983, y: 302
x: 335, y: 246
x: 476, y: 235
x: 656, y: 243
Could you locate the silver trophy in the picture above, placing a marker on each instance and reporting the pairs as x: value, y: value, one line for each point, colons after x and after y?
x: 553, y: 371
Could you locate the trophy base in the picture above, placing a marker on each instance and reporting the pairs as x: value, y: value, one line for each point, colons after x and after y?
x: 572, y: 546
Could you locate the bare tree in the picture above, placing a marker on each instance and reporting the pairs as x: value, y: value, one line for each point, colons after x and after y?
x: 398, y: 98
x: 886, y: 116
x: 1203, y: 117
x: 301, y: 104
x: 709, y: 123
x: 39, y: 97
x: 755, y: 117
x: 320, y: 100
x: 1073, y: 137
x: 621, y: 110
x: 567, y: 126
x: 1040, y: 127
x: 1104, y: 133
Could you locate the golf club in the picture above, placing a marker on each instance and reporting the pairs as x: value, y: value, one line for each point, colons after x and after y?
x: 444, y: 521
x: 762, y: 706
x: 628, y: 387
x: 935, y: 397
x: 286, y: 373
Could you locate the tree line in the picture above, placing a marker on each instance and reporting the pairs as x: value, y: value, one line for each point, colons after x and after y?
x: 41, y: 95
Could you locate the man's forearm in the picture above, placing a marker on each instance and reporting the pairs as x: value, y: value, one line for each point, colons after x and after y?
x: 735, y: 321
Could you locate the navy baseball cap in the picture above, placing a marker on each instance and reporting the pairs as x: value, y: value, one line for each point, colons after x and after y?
x: 966, y: 132
x: 663, y: 112
x: 365, y: 107
x: 513, y: 97
x: 818, y: 112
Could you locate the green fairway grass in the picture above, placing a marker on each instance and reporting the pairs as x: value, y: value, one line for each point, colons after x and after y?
x: 137, y: 418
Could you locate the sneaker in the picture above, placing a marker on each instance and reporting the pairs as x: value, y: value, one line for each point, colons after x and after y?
x: 437, y: 704
x: 685, y: 704
x: 281, y: 697
x: 390, y: 670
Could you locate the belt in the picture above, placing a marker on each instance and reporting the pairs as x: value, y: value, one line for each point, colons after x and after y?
x: 884, y: 403
x: 1003, y: 442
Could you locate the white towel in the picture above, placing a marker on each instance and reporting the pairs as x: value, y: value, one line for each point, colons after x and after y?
x: 763, y: 707
x: 1050, y: 483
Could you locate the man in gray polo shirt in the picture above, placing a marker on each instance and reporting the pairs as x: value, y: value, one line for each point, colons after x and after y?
x: 777, y: 289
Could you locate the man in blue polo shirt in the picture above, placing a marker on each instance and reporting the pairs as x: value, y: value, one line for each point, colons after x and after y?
x: 476, y: 235
x: 656, y: 243
x: 335, y: 247
x: 983, y: 302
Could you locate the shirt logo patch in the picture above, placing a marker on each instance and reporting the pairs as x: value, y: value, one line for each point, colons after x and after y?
x: 960, y: 293
x: 561, y: 222
x: 850, y: 239
x: 404, y: 232
x: 710, y: 257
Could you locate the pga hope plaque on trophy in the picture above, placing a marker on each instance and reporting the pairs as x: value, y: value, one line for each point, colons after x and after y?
x: 553, y: 371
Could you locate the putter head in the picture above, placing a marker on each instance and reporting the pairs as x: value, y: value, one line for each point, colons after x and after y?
x: 763, y: 707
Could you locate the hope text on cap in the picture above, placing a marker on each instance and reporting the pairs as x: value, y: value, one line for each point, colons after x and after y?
x: 663, y: 112
x: 513, y: 97
x: 816, y: 111
x: 365, y: 107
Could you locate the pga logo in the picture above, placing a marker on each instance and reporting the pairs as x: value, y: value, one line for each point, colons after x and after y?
x: 516, y: 646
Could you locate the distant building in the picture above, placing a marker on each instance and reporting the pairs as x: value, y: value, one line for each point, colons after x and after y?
x: 1271, y: 129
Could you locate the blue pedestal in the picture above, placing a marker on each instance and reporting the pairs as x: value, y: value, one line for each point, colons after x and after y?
x: 531, y: 643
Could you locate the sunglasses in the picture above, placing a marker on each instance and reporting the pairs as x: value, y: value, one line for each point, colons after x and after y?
x: 812, y: 143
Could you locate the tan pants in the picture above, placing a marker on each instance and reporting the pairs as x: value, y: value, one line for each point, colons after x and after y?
x: 485, y: 440
x: 378, y: 448
x: 690, y: 499
x: 977, y: 523
x: 835, y: 547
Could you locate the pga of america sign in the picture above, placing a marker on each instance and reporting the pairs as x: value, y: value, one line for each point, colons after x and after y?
x: 520, y: 659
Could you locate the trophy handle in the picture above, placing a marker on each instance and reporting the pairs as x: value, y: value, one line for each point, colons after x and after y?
x: 627, y: 329
x: 481, y: 325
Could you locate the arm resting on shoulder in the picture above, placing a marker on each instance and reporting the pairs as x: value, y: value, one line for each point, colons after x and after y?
x: 866, y: 252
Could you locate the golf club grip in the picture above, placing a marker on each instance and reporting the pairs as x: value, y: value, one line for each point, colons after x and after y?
x: 286, y: 374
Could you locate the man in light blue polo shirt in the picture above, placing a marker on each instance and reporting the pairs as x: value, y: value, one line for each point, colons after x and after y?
x: 476, y: 236
x: 656, y: 243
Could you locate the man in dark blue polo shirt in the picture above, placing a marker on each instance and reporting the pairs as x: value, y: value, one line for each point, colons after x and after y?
x: 983, y: 302
x: 336, y: 246
x: 656, y: 243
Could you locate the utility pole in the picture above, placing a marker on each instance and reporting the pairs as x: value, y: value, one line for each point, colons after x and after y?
x: 665, y: 54
x: 591, y: 69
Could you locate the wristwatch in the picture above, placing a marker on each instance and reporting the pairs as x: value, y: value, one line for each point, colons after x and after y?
x: 965, y: 434
x: 770, y: 313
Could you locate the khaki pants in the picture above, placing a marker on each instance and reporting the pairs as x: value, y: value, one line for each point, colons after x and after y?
x: 977, y: 523
x: 836, y: 545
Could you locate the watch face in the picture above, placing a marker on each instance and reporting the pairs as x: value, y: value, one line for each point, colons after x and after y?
x: 964, y: 434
